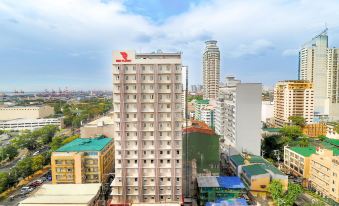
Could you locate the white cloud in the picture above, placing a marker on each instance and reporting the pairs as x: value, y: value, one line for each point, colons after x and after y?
x: 290, y: 52
x: 242, y: 27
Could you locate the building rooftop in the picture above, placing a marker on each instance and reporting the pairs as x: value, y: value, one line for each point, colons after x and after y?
x: 86, y: 144
x: 304, y: 151
x: 203, y: 101
x: 103, y: 121
x: 63, y: 194
x: 254, y: 169
x: 271, y: 129
x: 228, y: 182
x: 238, y: 160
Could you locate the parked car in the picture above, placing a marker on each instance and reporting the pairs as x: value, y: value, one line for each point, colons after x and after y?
x: 35, y: 184
x: 26, y: 189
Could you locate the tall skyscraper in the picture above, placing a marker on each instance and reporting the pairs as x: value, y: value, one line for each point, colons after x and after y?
x: 147, y: 92
x: 293, y: 98
x: 319, y: 64
x: 211, y: 70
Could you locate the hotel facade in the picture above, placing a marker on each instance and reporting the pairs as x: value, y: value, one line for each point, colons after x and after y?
x: 147, y: 104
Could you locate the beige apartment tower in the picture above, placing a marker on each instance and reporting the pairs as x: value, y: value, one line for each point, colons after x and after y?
x: 147, y: 104
x: 293, y: 98
x: 211, y: 70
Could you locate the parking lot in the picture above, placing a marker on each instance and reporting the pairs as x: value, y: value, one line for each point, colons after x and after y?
x: 27, y: 190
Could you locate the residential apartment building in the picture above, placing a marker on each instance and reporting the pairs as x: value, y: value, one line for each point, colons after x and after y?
x: 325, y: 173
x: 198, y: 106
x: 219, y: 116
x: 242, y: 118
x: 184, y: 91
x: 211, y: 70
x: 82, y: 161
x: 147, y: 107
x: 30, y: 124
x: 207, y: 115
x: 319, y: 64
x: 293, y: 98
x: 30, y: 112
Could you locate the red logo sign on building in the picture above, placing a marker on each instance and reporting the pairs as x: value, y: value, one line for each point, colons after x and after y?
x: 124, y: 56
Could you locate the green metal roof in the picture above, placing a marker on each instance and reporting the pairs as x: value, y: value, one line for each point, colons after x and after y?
x: 334, y: 142
x: 255, y: 169
x: 85, y: 144
x: 203, y: 101
x: 271, y: 129
x: 304, y: 151
x: 237, y: 160
x: 255, y: 160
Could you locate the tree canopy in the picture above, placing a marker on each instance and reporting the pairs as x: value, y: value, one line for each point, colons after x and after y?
x: 297, y: 121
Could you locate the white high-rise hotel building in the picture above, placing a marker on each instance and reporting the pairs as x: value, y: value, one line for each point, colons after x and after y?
x: 147, y: 103
x: 211, y: 70
x: 319, y: 64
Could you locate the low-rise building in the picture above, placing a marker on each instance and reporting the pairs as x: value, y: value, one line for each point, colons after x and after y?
x: 325, y: 173
x: 102, y: 126
x: 212, y: 188
x: 30, y: 124
x: 256, y: 173
x: 83, y: 160
x: 297, y: 160
x: 31, y: 112
x: 64, y: 195
x: 315, y: 130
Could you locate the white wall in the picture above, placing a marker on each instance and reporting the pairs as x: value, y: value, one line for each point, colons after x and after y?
x: 248, y: 117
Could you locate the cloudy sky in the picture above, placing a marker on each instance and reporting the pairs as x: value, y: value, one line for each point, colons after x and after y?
x: 47, y: 44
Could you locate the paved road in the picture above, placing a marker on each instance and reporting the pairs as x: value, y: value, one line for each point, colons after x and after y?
x: 17, y: 200
x: 9, y: 166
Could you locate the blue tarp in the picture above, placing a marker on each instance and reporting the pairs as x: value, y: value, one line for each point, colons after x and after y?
x: 230, y: 182
x: 230, y: 202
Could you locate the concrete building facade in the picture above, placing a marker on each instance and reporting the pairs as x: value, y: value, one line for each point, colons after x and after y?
x: 32, y: 112
x: 147, y: 107
x: 102, y: 126
x: 319, y: 64
x: 325, y: 173
x: 211, y: 70
x: 83, y: 161
x: 30, y: 124
x: 293, y: 98
x: 242, y: 117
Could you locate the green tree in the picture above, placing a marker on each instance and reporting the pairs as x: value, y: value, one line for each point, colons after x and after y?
x: 1, y: 132
x: 70, y: 139
x: 297, y: 120
x: 37, y: 162
x: 3, y: 181
x: 23, y: 167
x: 336, y: 128
x: 26, y: 140
x: 56, y: 143
x: 321, y: 137
x: 11, y: 152
x: 294, y: 190
x: 276, y: 190
x: 304, y: 142
x: 292, y: 132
